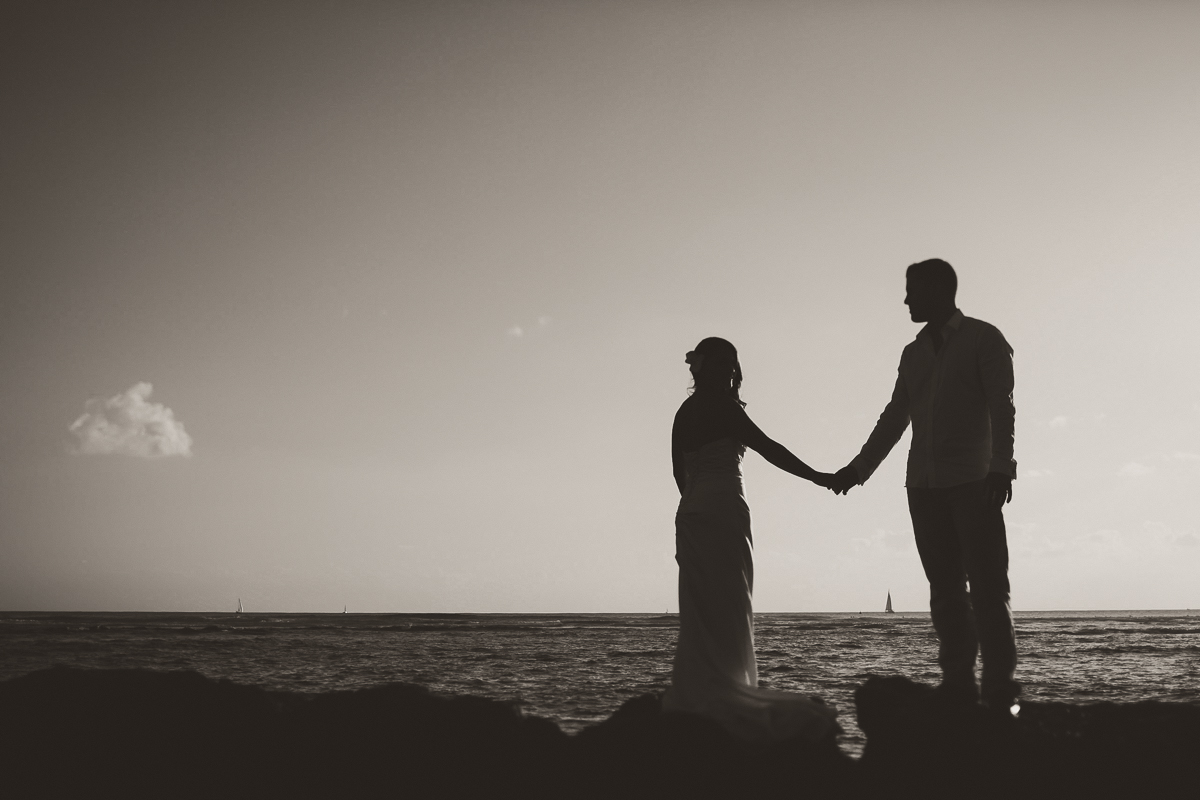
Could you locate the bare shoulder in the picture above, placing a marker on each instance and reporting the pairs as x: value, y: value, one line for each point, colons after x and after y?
x: 685, y: 412
x: 721, y: 404
x: 708, y: 410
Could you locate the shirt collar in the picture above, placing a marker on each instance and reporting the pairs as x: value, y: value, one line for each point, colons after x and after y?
x: 951, y: 326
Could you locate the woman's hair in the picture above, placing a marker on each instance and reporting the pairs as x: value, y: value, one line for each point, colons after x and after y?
x: 715, y: 347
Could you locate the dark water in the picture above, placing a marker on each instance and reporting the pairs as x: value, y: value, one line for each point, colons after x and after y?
x: 578, y: 668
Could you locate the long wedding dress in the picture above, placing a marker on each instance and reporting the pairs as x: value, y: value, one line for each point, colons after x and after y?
x: 714, y: 673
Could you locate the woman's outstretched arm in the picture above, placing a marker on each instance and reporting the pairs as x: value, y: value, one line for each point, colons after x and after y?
x: 752, y: 436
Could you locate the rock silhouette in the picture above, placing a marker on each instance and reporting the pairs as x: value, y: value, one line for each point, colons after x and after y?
x: 69, y: 733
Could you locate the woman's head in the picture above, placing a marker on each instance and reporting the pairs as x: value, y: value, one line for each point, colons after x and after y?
x: 714, y: 365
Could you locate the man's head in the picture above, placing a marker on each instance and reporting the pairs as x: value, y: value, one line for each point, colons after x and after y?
x: 930, y: 287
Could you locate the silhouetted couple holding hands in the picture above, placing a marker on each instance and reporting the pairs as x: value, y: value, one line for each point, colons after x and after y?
x: 955, y: 386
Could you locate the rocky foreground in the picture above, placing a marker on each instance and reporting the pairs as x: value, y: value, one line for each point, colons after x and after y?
x: 130, y: 734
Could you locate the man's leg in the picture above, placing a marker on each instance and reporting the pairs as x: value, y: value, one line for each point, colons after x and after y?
x: 985, y: 558
x: 949, y: 605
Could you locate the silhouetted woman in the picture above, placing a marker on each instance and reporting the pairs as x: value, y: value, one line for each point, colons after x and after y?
x: 715, y: 673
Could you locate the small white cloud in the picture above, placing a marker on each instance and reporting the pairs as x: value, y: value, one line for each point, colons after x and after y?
x: 1059, y: 422
x: 882, y: 542
x: 1186, y: 456
x: 1036, y: 473
x: 519, y: 330
x: 1135, y: 470
x: 1103, y: 539
x: 128, y: 425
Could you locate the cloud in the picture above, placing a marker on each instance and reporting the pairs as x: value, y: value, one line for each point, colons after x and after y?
x: 128, y: 425
x: 518, y: 331
x: 1059, y: 422
x: 1148, y: 541
x: 1037, y: 473
x: 883, y: 542
x: 1135, y: 470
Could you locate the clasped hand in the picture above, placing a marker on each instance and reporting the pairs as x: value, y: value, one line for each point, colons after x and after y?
x: 839, y: 482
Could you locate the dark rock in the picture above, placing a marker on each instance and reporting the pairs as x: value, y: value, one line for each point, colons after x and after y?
x: 919, y: 745
x: 67, y: 733
x: 642, y: 752
x: 132, y: 733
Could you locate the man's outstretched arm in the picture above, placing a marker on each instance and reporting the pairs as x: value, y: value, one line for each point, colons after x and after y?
x: 888, y: 430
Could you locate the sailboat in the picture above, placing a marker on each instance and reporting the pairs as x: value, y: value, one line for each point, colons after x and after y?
x: 888, y: 608
x: 239, y: 611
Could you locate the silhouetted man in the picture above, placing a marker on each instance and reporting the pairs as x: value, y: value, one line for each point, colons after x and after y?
x: 955, y: 385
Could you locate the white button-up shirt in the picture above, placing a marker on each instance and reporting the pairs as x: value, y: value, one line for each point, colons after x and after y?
x: 960, y: 401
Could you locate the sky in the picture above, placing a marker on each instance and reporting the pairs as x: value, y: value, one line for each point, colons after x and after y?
x: 383, y: 305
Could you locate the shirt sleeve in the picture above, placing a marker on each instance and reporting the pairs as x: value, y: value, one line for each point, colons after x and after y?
x: 888, y: 430
x: 996, y: 369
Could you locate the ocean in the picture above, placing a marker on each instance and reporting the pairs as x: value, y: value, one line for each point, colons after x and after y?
x: 578, y: 668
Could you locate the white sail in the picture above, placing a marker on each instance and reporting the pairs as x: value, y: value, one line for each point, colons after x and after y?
x: 888, y: 607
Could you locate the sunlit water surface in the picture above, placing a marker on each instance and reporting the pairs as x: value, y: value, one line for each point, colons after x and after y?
x: 578, y: 668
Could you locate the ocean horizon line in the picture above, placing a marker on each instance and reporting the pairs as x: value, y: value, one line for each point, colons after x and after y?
x: 246, y: 613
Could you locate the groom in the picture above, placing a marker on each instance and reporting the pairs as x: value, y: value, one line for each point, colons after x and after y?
x: 955, y: 385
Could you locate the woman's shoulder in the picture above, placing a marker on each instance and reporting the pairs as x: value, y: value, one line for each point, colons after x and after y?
x: 707, y: 403
x: 709, y: 409
x: 713, y: 400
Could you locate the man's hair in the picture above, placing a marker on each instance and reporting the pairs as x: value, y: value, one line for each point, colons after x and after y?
x: 936, y: 271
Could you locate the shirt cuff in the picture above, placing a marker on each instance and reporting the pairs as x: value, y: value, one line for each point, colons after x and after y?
x: 1005, y: 466
x: 862, y: 469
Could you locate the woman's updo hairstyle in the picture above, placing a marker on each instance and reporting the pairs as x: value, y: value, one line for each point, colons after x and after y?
x: 711, y: 349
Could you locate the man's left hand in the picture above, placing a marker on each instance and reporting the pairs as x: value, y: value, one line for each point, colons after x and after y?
x: 999, y: 490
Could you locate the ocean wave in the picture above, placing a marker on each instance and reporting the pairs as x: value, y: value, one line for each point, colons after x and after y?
x: 1136, y: 649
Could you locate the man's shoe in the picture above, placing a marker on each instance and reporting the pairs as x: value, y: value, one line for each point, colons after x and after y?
x: 1003, y: 706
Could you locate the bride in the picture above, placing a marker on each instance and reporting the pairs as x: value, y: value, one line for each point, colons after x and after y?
x: 714, y: 673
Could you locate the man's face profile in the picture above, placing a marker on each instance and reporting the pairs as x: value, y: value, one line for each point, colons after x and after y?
x: 918, y: 296
x: 927, y: 297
